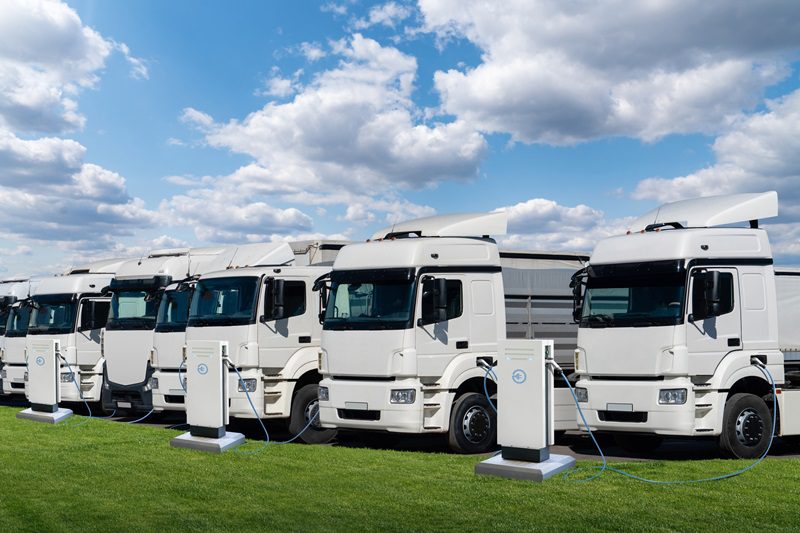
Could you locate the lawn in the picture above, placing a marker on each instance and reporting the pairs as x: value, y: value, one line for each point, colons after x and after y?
x: 113, y: 476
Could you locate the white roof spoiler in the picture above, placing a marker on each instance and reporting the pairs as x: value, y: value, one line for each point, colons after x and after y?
x: 709, y: 211
x: 460, y: 225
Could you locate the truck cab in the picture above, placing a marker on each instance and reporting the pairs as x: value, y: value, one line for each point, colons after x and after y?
x: 14, y: 313
x: 72, y: 310
x: 671, y: 317
x: 269, y: 319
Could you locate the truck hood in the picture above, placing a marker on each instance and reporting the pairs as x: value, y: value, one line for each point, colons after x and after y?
x: 627, y: 351
x: 369, y: 353
x: 127, y: 353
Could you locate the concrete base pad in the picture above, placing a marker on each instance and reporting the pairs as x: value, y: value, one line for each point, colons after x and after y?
x: 205, y: 444
x: 497, y: 466
x: 49, y: 418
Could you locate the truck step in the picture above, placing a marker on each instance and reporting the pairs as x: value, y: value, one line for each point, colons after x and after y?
x: 703, y: 430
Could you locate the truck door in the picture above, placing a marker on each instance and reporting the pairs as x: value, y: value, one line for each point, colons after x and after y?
x: 710, y: 339
x: 279, y: 339
x: 439, y: 342
x: 93, y: 316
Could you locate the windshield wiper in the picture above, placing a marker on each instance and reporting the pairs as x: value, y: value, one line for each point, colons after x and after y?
x: 600, y: 318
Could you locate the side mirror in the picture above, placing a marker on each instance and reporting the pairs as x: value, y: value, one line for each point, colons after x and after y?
x: 705, y: 296
x: 105, y: 290
x: 440, y: 299
x: 576, y: 284
x: 273, y: 304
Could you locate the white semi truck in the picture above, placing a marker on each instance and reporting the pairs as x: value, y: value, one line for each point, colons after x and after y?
x: 268, y: 321
x: 169, y: 338
x: 13, y: 328
x: 72, y: 310
x: 135, y: 293
x: 674, y: 317
x: 412, y: 314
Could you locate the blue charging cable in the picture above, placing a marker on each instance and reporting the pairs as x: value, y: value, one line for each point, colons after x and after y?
x: 180, y: 379
x: 80, y: 392
x: 267, y: 440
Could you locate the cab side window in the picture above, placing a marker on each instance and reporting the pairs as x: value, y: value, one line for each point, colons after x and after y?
x: 294, y: 298
x: 455, y: 300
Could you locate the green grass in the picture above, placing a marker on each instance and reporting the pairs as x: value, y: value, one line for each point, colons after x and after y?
x: 112, y: 476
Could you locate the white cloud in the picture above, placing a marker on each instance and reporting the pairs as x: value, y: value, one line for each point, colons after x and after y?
x: 352, y: 127
x: 139, y: 70
x: 561, y: 73
x: 47, y: 56
x: 333, y: 7
x: 388, y: 14
x: 312, y: 51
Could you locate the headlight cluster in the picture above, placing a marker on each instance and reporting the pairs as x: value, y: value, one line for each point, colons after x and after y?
x: 403, y: 396
x: 4, y: 374
x: 322, y: 394
x: 67, y: 377
x: 153, y: 383
x: 672, y: 396
x: 582, y: 394
x: 248, y: 385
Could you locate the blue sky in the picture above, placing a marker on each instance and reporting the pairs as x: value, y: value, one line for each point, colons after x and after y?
x: 128, y: 126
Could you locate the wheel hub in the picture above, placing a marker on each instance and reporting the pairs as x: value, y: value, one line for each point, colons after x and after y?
x: 749, y: 427
x: 311, y: 411
x: 476, y: 424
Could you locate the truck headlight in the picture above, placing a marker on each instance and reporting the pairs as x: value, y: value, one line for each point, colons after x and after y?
x: 67, y: 378
x: 403, y: 396
x: 582, y: 394
x: 322, y: 394
x: 672, y: 396
x: 248, y: 385
x: 25, y: 377
x: 153, y: 383
x: 4, y: 374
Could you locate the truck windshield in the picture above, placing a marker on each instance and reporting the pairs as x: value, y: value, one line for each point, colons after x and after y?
x: 370, y: 300
x: 17, y: 324
x: 634, y: 296
x: 173, y: 311
x: 224, y: 302
x: 133, y: 310
x: 53, y: 314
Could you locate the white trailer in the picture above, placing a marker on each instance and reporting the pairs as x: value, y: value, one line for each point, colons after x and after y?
x: 13, y: 328
x: 72, y: 310
x: 173, y: 313
x: 411, y: 314
x: 676, y: 316
x: 269, y: 320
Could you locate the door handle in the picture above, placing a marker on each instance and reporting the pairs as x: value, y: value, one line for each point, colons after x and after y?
x: 306, y: 339
x: 735, y: 341
x: 462, y: 345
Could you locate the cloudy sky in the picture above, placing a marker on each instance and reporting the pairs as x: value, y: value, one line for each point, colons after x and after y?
x: 128, y: 126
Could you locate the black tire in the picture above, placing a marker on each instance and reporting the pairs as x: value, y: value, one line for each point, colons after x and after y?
x: 638, y: 443
x: 746, y: 426
x: 304, y: 405
x: 473, y: 424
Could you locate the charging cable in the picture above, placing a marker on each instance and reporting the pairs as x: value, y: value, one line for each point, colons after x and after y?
x: 180, y: 379
x: 72, y: 374
x: 757, y: 363
x: 266, y: 440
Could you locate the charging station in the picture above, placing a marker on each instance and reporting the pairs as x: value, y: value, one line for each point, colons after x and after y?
x: 525, y: 414
x: 207, y: 399
x: 44, y: 388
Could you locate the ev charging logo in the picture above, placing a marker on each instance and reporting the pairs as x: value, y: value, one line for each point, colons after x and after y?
x: 519, y: 376
x: 202, y: 369
x: 40, y: 361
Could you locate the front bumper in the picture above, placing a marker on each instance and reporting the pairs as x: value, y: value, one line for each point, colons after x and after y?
x: 15, y: 379
x: 632, y: 406
x: 169, y: 396
x: 365, y: 405
x: 91, y: 384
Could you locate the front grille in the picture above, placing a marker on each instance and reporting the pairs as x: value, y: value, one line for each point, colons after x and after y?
x: 358, y: 414
x: 622, y: 416
x: 174, y: 398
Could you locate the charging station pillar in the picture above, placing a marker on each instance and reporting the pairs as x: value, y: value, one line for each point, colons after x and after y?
x: 525, y: 414
x: 44, y: 387
x: 207, y: 399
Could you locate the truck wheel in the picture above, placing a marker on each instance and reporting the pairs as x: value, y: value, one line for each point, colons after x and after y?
x: 746, y: 426
x: 305, y: 406
x: 638, y: 443
x: 473, y: 424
